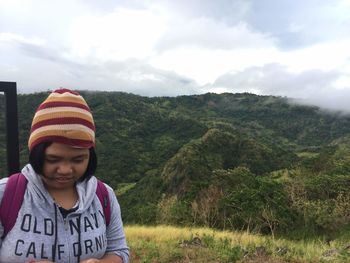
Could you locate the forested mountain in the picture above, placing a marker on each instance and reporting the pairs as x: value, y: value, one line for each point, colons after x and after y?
x: 226, y: 161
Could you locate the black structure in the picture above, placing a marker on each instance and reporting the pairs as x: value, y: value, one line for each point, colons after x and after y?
x: 10, y: 91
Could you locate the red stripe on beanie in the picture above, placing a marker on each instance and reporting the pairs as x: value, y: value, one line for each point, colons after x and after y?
x: 63, y: 90
x: 64, y: 120
x: 54, y: 104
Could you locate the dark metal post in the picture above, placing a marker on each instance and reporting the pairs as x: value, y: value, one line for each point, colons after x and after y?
x: 10, y: 91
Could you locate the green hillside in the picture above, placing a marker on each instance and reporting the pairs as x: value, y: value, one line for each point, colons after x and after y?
x: 229, y: 161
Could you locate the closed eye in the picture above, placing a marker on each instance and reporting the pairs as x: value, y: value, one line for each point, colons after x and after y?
x: 50, y: 160
x: 80, y: 160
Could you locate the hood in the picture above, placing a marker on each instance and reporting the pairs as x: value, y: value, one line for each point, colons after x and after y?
x: 86, y: 189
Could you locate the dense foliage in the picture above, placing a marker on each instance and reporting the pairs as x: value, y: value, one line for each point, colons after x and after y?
x: 231, y: 161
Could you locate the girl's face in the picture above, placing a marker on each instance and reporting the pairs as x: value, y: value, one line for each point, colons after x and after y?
x: 64, y: 165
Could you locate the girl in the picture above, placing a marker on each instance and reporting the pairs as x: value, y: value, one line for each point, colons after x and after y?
x: 61, y: 218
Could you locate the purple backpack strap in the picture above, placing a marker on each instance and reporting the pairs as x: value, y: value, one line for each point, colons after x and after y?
x: 102, y: 194
x: 12, y: 201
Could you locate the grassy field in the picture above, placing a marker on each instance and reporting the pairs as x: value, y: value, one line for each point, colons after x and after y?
x: 198, y: 245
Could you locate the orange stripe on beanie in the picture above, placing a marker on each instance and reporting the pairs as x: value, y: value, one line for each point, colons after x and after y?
x: 63, y: 117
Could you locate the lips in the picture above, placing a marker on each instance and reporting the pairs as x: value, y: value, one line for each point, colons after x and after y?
x: 64, y: 179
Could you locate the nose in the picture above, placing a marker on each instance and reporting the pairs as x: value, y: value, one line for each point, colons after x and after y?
x: 64, y: 168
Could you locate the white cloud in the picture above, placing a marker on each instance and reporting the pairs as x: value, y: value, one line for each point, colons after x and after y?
x: 276, y: 79
x: 16, y: 38
x: 345, y: 3
x: 324, y: 56
x: 45, y: 19
x: 207, y: 33
x: 134, y: 76
x: 298, y: 23
x: 119, y: 35
x: 291, y: 47
x: 205, y: 65
x: 203, y: 49
x: 311, y: 86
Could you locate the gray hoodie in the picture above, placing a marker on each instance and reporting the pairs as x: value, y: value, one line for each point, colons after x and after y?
x: 41, y: 232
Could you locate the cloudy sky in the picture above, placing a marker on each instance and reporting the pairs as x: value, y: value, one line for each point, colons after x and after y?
x: 294, y: 48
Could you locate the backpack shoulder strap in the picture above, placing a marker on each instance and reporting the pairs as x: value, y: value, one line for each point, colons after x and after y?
x: 12, y: 201
x: 102, y: 194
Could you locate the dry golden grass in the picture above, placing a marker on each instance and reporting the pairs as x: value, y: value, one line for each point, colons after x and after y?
x: 173, y: 244
x: 163, y: 233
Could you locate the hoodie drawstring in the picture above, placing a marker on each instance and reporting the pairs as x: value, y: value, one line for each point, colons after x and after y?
x: 55, y: 242
x: 79, y: 238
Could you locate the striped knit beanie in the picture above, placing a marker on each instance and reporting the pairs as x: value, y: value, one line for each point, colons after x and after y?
x: 64, y: 117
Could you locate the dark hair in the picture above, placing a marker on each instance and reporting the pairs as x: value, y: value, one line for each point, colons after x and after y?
x: 37, y: 158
